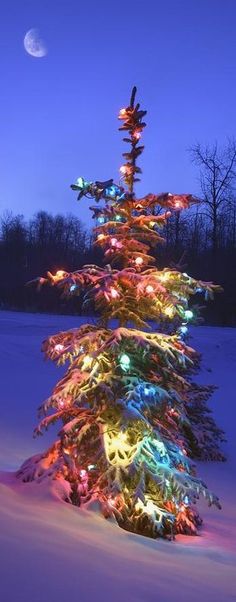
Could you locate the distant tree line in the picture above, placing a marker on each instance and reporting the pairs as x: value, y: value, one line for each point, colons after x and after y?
x: 201, y: 241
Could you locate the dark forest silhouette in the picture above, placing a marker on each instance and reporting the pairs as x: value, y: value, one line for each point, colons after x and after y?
x: 203, y: 239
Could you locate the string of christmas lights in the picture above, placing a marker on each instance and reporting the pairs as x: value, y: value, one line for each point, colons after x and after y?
x: 131, y: 417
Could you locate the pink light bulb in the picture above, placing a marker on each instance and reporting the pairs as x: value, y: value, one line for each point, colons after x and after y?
x: 139, y: 261
x: 59, y: 347
x: 113, y: 242
x: 149, y: 289
x: 114, y: 293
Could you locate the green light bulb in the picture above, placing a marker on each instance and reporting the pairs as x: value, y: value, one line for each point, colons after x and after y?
x: 188, y: 314
x: 124, y: 361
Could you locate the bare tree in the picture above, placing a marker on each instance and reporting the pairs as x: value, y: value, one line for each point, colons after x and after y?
x: 217, y: 181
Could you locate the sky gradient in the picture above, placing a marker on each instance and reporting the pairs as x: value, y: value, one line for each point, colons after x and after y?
x: 59, y: 112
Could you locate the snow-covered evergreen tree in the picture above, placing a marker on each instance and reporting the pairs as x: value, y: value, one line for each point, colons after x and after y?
x: 131, y: 418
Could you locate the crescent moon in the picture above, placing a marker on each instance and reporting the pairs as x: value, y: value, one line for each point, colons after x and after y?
x: 34, y: 45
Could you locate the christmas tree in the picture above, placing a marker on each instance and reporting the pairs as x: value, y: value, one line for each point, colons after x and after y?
x: 131, y: 417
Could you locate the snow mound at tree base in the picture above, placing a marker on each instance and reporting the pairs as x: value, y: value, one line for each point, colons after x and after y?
x: 56, y: 551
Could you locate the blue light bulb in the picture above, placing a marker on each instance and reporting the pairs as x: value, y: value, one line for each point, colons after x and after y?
x: 183, y: 329
x: 80, y: 182
x: 111, y: 191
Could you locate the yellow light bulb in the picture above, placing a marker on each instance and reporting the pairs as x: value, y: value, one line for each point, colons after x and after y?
x: 169, y: 311
x: 87, y: 362
x: 164, y: 276
x: 119, y: 440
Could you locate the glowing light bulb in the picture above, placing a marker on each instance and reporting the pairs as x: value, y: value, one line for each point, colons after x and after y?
x: 164, y: 276
x: 120, y: 438
x: 59, y: 347
x: 183, y: 329
x: 124, y: 361
x: 149, y: 289
x: 87, y: 362
x: 123, y: 169
x: 114, y: 293
x: 101, y: 237
x: 169, y: 312
x: 101, y: 219
x: 118, y: 218
x: 60, y: 273
x: 83, y: 473
x: 188, y: 314
x: 139, y: 261
x: 178, y: 205
x: 111, y: 502
x: 136, y: 134
x: 152, y: 224
x: 113, y: 242
x: 91, y: 466
x: 186, y: 500
x: 80, y: 182
x: 122, y: 113
x: 72, y: 288
x: 161, y: 448
x: 111, y: 191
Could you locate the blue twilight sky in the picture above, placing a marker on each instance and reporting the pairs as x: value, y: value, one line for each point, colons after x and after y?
x: 58, y: 113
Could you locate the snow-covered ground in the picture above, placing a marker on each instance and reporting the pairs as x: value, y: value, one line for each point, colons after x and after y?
x: 54, y: 552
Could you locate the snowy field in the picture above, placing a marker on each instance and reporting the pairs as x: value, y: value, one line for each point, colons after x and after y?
x: 54, y: 552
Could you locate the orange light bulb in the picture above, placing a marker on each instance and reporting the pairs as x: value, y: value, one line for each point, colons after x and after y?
x: 136, y: 134
x: 178, y: 205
